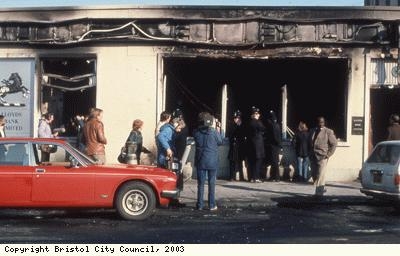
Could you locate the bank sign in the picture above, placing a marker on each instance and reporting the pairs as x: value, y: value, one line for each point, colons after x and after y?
x: 16, y: 96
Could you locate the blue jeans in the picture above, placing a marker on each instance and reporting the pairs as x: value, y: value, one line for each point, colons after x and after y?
x: 201, y: 179
x: 303, y: 164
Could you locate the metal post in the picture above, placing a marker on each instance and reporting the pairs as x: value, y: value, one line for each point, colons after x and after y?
x: 224, y: 107
x: 398, y: 54
x: 284, y: 111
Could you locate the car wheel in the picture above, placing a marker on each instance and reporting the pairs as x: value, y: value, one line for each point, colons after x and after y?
x: 136, y: 201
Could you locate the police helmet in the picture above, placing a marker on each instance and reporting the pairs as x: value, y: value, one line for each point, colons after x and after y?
x: 237, y: 113
x: 395, y: 118
x: 255, y: 110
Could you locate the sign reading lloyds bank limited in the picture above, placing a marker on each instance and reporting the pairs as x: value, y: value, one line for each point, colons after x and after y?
x: 16, y: 99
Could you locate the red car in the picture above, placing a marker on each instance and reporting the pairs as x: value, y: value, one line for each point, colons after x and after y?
x: 70, y: 179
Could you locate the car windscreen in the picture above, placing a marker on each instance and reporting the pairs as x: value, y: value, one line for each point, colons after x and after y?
x: 84, y: 158
x: 385, y: 153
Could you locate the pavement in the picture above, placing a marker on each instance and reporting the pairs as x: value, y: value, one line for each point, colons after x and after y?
x: 246, y: 194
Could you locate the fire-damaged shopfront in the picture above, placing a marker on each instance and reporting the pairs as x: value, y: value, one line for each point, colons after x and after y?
x: 134, y: 62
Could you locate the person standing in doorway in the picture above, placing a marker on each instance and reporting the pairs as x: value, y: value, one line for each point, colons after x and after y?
x: 256, y: 154
x: 181, y: 136
x: 182, y: 132
x: 45, y: 131
x: 302, y: 148
x: 237, y: 147
x: 165, y: 117
x: 165, y: 141
x: 94, y: 136
x: 207, y: 138
x: 394, y: 128
x: 273, y: 141
x: 323, y: 145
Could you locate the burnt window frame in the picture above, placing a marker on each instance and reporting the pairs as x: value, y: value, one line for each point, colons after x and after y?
x: 66, y: 120
x: 343, y: 133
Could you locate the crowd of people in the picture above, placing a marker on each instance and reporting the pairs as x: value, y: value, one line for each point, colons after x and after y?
x: 256, y: 145
x: 253, y: 146
x: 259, y: 144
x: 91, y: 139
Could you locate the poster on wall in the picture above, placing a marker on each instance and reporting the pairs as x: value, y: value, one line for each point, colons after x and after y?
x: 16, y: 96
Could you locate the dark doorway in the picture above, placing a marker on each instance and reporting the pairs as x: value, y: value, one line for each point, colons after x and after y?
x: 383, y: 103
x: 316, y: 87
x: 68, y: 88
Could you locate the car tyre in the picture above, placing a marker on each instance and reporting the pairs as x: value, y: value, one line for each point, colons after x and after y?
x: 135, y: 201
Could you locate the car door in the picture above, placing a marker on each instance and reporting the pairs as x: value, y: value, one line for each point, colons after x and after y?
x: 57, y: 183
x: 15, y: 174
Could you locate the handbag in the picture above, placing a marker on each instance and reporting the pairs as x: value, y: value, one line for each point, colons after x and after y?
x: 122, y: 156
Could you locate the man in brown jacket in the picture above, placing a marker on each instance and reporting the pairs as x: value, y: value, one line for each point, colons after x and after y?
x: 323, y: 145
x: 94, y: 136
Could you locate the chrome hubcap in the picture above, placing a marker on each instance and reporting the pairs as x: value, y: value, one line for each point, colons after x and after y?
x: 135, y: 202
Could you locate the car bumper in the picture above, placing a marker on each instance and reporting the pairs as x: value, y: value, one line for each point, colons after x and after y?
x: 174, y: 194
x: 381, y: 194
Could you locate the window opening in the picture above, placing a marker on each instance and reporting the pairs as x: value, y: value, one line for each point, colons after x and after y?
x: 68, y: 89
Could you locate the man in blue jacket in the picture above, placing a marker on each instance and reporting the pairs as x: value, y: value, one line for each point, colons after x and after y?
x: 165, y: 141
x: 207, y: 139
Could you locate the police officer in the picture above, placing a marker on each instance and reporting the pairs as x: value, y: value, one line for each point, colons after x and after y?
x: 237, y: 147
x: 256, y: 153
x: 180, y: 142
x: 273, y: 143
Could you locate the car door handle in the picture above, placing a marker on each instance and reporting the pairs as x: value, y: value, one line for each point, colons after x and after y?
x: 40, y: 170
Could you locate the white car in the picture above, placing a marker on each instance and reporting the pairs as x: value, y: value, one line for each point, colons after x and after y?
x: 380, y: 174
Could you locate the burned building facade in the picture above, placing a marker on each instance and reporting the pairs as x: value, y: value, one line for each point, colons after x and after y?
x: 134, y: 62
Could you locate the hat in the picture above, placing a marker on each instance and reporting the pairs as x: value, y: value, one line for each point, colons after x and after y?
x: 255, y: 110
x: 395, y: 118
x: 237, y: 113
x: 177, y: 113
x: 272, y: 115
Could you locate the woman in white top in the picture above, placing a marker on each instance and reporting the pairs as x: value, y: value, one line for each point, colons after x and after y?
x: 2, y: 126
